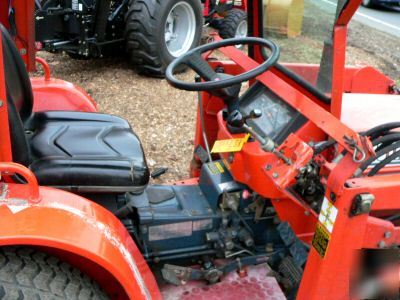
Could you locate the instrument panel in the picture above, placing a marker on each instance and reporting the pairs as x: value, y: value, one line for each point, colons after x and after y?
x: 278, y: 118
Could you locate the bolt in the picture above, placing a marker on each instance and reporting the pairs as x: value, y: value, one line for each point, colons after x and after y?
x: 387, y: 235
x: 268, y: 167
x: 229, y: 245
x: 275, y: 175
x: 366, y: 202
x: 382, y: 244
x: 307, y: 213
x: 1, y: 103
x: 249, y: 242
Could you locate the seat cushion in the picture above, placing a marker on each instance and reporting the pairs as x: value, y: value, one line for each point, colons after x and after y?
x: 86, y: 152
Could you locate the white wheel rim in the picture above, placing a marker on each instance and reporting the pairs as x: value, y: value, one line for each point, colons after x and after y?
x: 241, y: 30
x: 180, y: 29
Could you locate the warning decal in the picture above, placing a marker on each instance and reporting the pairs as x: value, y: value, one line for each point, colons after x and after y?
x: 230, y: 145
x: 328, y: 214
x: 216, y: 168
x: 321, y: 240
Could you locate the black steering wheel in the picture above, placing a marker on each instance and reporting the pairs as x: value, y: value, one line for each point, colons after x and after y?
x: 214, y: 80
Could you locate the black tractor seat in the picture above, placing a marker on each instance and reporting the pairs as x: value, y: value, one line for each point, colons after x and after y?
x: 77, y: 151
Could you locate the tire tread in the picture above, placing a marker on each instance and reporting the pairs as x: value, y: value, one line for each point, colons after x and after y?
x: 228, y: 25
x: 26, y: 273
x: 140, y: 40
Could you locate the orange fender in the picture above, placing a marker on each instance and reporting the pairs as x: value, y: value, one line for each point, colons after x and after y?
x: 91, y: 236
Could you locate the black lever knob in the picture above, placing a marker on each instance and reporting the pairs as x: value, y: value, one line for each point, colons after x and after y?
x: 235, y: 119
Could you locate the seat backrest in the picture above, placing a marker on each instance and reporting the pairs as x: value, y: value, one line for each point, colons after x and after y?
x: 19, y: 97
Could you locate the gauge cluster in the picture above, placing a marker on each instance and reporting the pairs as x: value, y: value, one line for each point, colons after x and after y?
x: 277, y: 116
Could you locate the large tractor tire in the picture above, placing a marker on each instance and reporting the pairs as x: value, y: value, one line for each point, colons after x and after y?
x: 29, y: 274
x: 158, y: 31
x: 234, y: 24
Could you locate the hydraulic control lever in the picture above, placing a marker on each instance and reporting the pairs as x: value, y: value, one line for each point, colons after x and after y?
x: 236, y: 123
x: 267, y: 144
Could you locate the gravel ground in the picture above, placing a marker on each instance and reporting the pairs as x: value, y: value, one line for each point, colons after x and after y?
x: 164, y: 117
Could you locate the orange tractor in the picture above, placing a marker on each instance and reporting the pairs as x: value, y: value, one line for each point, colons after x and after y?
x: 294, y: 182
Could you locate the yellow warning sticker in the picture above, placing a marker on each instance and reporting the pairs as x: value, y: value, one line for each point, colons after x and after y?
x: 328, y: 215
x: 220, y: 167
x: 321, y: 240
x: 230, y: 145
x: 216, y: 167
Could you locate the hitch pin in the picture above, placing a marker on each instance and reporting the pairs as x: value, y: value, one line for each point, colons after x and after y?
x: 267, y: 144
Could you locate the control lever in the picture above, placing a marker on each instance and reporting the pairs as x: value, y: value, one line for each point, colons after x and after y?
x: 254, y: 114
x: 236, y: 123
x: 236, y: 120
x: 267, y: 144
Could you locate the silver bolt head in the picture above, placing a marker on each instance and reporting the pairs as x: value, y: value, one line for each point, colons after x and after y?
x: 365, y: 205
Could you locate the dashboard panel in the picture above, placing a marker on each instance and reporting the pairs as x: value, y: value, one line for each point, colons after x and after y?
x: 278, y: 118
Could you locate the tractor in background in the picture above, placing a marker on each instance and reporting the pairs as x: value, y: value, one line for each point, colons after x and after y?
x: 293, y: 182
x: 152, y: 33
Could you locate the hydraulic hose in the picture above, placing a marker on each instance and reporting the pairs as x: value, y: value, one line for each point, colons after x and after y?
x: 380, y: 153
x: 386, y: 139
x: 383, y: 163
x: 381, y: 129
x: 322, y: 146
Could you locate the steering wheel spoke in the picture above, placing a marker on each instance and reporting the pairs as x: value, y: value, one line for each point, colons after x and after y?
x: 201, y: 66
